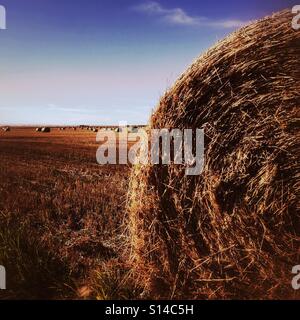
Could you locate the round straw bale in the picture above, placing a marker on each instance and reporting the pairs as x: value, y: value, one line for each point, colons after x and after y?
x: 233, y: 231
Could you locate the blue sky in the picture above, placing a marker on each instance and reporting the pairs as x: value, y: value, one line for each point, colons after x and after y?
x: 103, y: 61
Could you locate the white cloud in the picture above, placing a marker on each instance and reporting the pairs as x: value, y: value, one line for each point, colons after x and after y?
x: 177, y: 16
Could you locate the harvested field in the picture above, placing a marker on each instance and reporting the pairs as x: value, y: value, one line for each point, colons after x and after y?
x: 61, y: 215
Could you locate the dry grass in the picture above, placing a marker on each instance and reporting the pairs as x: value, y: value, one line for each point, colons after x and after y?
x: 233, y: 231
x: 61, y: 214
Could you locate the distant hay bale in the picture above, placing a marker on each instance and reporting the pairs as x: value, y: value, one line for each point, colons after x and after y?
x: 45, y: 129
x: 233, y: 231
x: 38, y: 129
x: 6, y: 129
x: 134, y: 130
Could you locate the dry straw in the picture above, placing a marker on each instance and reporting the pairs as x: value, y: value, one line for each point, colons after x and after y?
x: 233, y: 231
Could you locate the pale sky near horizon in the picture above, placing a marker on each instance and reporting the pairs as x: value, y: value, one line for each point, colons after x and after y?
x: 74, y: 62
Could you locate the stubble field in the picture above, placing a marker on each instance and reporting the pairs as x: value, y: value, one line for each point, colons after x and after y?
x: 62, y: 228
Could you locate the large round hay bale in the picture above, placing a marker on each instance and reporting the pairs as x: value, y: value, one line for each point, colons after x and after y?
x: 233, y: 231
